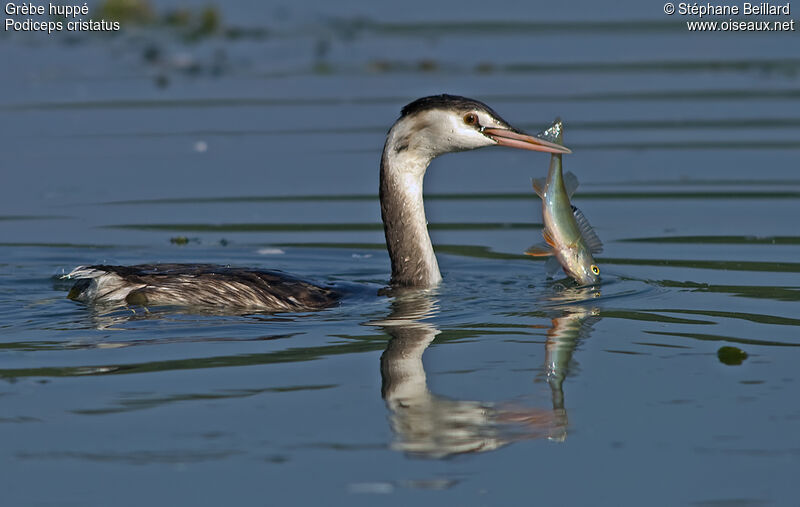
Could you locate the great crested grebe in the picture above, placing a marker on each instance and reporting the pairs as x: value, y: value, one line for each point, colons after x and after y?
x: 428, y: 127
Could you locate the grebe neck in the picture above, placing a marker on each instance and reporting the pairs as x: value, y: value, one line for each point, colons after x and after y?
x: 403, y: 213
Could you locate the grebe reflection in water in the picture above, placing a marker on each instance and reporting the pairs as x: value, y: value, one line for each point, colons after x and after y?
x: 427, y: 128
x: 432, y: 426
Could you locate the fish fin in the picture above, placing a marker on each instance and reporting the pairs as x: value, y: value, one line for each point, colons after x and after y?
x: 548, y: 238
x: 554, y: 133
x: 570, y: 183
x: 538, y: 186
x: 552, y: 267
x: 589, y: 236
x: 540, y: 250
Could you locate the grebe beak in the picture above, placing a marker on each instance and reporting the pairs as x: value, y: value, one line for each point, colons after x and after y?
x: 506, y: 137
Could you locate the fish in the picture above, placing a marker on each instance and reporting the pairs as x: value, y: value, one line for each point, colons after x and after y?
x: 568, y: 236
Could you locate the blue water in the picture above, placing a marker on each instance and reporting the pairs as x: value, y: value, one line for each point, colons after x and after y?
x: 673, y: 382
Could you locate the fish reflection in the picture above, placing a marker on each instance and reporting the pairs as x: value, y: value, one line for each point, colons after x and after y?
x: 570, y: 323
x: 563, y: 337
x: 428, y: 425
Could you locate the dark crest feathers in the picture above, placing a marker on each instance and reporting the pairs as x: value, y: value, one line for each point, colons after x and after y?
x: 445, y: 101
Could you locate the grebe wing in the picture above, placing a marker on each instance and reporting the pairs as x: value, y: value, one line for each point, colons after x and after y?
x: 204, y: 285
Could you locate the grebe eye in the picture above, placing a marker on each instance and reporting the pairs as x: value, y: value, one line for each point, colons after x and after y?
x: 471, y: 119
x: 595, y: 269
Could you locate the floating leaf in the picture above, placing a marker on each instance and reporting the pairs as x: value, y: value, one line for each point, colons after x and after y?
x: 731, y: 356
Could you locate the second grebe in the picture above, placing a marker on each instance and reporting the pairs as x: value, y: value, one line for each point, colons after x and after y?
x: 428, y: 127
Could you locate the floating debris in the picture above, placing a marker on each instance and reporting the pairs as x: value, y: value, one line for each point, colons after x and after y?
x: 183, y: 240
x: 732, y: 356
x: 270, y: 251
x: 374, y: 488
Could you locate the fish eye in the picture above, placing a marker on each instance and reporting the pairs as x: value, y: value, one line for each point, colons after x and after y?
x: 471, y: 119
x: 595, y: 269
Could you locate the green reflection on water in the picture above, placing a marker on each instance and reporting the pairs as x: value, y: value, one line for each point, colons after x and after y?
x: 140, y: 403
x: 749, y: 291
x: 718, y: 337
x: 671, y: 194
x: 56, y: 245
x: 732, y: 240
x: 752, y: 317
x: 318, y: 227
x: 777, y: 267
x: 221, y: 102
x: 770, y: 123
x: 8, y: 218
x: 282, y: 356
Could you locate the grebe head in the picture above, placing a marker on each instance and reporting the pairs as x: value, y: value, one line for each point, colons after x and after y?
x: 439, y: 124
